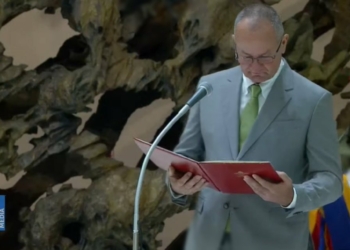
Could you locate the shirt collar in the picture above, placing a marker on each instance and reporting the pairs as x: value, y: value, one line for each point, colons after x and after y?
x: 265, y: 86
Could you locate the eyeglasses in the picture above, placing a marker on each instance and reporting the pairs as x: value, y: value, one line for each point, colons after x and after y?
x: 262, y: 59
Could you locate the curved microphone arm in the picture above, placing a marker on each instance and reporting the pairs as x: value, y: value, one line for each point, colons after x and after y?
x: 181, y: 113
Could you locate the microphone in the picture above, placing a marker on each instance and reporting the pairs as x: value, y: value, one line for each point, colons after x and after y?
x: 203, y: 90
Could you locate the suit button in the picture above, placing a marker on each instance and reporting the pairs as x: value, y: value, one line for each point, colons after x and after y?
x: 226, y: 205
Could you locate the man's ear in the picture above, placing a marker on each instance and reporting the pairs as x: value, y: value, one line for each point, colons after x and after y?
x: 284, y: 43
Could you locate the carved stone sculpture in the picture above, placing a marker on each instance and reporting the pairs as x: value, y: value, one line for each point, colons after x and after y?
x: 134, y: 52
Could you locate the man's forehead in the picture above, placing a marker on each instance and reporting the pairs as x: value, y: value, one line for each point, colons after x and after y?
x: 256, y: 48
x: 256, y: 44
x: 254, y: 24
x: 251, y: 53
x: 258, y: 41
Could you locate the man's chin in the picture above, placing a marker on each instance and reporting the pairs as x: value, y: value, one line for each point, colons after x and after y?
x: 258, y: 78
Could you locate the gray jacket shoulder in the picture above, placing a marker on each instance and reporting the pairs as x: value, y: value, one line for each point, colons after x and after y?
x: 308, y: 90
x: 217, y: 77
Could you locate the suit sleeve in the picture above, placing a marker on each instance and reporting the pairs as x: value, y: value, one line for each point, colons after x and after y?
x: 190, y: 145
x: 324, y: 184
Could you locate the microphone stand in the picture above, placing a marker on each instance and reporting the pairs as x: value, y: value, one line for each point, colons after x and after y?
x: 181, y: 113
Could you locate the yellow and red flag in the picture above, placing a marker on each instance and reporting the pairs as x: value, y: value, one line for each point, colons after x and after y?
x: 330, y: 225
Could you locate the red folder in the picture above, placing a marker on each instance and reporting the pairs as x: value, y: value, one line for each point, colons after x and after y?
x: 224, y: 176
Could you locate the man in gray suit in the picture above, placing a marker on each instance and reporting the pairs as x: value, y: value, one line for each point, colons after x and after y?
x: 260, y: 111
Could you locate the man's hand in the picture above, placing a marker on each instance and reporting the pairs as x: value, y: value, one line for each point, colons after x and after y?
x: 185, y: 184
x: 281, y: 193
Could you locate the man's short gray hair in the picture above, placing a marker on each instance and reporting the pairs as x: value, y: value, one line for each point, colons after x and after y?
x: 258, y: 12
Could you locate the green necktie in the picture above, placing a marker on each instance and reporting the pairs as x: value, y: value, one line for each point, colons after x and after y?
x: 248, y: 116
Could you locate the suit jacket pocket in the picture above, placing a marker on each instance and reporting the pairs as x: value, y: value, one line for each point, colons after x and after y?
x: 282, y: 213
x: 299, y: 218
x: 280, y: 126
x: 287, y: 120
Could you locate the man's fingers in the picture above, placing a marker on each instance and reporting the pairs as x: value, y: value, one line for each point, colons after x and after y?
x: 251, y: 182
x: 187, y: 183
x: 191, y: 183
x: 195, y: 182
x: 263, y: 183
x: 283, y: 176
x: 199, y: 185
x: 257, y: 188
x: 184, y: 179
x: 171, y: 171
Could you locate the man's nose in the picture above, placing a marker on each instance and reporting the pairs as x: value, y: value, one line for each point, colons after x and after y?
x: 255, y: 64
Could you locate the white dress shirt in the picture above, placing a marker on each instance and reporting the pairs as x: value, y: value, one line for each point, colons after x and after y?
x: 265, y: 90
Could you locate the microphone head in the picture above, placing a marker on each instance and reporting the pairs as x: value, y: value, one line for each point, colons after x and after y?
x: 207, y: 86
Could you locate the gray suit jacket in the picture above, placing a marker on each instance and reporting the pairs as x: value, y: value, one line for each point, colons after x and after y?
x: 295, y: 131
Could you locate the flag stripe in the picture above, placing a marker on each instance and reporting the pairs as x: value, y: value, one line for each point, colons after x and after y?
x: 313, y: 219
x: 322, y: 242
x: 330, y: 225
x: 337, y: 218
x: 328, y: 239
x: 346, y: 192
x: 316, y: 233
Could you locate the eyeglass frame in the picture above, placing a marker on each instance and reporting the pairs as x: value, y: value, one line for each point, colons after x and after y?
x: 261, y: 57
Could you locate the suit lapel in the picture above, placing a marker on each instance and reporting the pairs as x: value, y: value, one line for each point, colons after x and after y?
x: 278, y: 98
x: 231, y: 98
